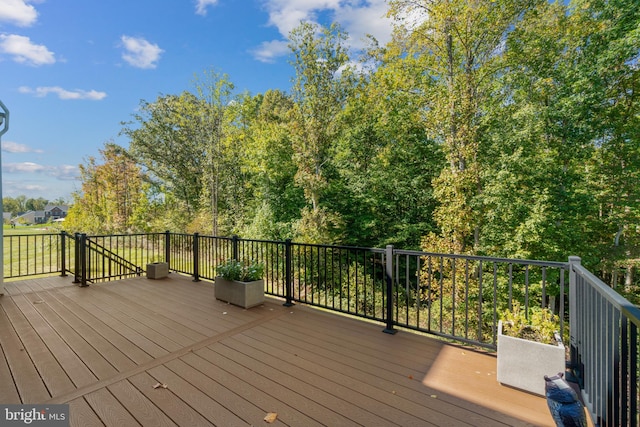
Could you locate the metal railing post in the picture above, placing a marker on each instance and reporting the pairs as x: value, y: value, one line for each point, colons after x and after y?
x: 83, y: 260
x: 196, y: 257
x: 389, y: 291
x: 287, y: 274
x: 573, y: 312
x: 167, y: 248
x: 63, y: 248
x: 234, y: 247
x: 76, y: 269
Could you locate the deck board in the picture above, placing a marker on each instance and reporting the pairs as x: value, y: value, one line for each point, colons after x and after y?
x: 70, y: 362
x: 79, y: 323
x: 33, y: 367
x: 139, y: 406
x: 223, y: 375
x: 102, y: 348
x: 107, y: 407
x: 174, y: 407
x: 97, y: 327
x: 81, y: 414
x: 285, y: 396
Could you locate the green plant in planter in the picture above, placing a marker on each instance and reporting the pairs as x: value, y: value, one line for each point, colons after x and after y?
x: 541, y: 325
x: 242, y: 271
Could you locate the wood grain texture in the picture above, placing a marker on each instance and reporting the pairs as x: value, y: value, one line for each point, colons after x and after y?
x: 102, y: 348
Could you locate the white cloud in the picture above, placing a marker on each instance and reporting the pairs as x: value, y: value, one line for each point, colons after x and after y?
x: 201, y: 6
x: 18, y: 12
x: 269, y: 51
x: 140, y: 53
x: 370, y: 19
x: 286, y: 15
x: 19, y: 188
x: 24, y: 167
x: 357, y: 17
x: 62, y: 172
x: 91, y: 95
x: 24, y: 51
x: 14, y: 147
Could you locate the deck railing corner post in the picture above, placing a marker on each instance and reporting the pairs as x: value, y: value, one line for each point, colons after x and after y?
x: 389, y: 290
x: 573, y: 311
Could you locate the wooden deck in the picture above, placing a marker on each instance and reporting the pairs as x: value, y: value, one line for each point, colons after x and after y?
x: 101, y: 349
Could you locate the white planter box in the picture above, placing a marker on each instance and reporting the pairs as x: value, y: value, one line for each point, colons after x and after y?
x: 157, y: 270
x: 523, y: 363
x: 243, y: 294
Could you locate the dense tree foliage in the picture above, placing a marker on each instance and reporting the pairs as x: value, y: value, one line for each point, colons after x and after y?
x: 497, y: 127
x: 113, y: 197
x: 21, y: 204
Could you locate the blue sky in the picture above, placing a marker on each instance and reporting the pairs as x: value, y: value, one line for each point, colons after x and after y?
x: 72, y: 70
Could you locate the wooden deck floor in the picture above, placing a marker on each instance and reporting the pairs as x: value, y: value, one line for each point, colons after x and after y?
x: 102, y: 349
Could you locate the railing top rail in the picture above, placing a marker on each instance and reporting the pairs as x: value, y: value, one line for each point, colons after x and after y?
x: 628, y: 309
x: 555, y: 264
x: 93, y: 236
x: 355, y: 248
x: 32, y: 234
x: 314, y: 245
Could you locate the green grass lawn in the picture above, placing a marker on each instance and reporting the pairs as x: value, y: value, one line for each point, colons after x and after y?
x: 31, y: 229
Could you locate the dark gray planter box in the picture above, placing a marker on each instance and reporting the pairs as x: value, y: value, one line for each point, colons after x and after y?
x: 242, y: 294
x: 157, y: 270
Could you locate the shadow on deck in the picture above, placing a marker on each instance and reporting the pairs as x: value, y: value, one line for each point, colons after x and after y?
x: 104, y: 349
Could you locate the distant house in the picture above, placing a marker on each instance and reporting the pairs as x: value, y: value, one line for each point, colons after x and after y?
x: 49, y: 214
x: 28, y: 217
x: 53, y: 212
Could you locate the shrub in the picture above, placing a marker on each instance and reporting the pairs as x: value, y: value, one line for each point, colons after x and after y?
x: 241, y: 271
x: 540, y: 325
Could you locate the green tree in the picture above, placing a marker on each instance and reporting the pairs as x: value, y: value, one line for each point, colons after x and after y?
x: 276, y: 200
x: 536, y: 145
x: 112, y: 195
x: 163, y: 141
x: 9, y: 204
x: 384, y: 158
x: 36, y: 204
x: 607, y: 71
x: 457, y: 44
x: 182, y: 141
x: 320, y: 87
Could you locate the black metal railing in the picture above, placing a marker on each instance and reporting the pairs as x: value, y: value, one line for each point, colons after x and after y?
x: 102, y: 259
x: 36, y: 254
x: 456, y: 297
x: 461, y: 297
x: 604, y: 349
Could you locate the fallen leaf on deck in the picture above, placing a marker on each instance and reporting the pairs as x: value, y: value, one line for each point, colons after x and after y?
x: 410, y: 377
x: 224, y: 312
x: 158, y: 385
x: 38, y: 302
x: 434, y: 396
x: 271, y: 417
